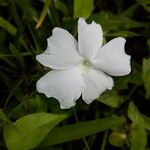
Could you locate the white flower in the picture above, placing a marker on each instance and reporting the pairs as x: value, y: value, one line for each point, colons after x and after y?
x: 83, y: 67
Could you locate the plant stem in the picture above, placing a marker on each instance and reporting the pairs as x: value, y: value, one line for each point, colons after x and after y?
x: 83, y: 138
x: 21, y: 28
x: 104, y: 141
x: 12, y: 92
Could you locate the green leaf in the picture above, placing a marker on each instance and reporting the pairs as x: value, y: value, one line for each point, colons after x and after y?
x: 113, y: 22
x: 138, y: 138
x: 133, y: 113
x: 53, y: 14
x: 135, y: 77
x: 146, y: 122
x: 36, y: 105
x: 28, y: 12
x: 111, y: 98
x: 146, y: 75
x: 129, y: 12
x: 4, y: 3
x: 137, y: 117
x: 123, y: 34
x: 3, y: 117
x: 27, y: 132
x: 7, y: 26
x: 145, y: 4
x: 148, y: 43
x: 62, y: 7
x: 7, y: 60
x: 83, y: 8
x: 79, y: 130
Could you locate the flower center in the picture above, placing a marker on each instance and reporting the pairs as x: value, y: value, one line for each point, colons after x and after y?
x: 85, y: 66
x: 86, y: 63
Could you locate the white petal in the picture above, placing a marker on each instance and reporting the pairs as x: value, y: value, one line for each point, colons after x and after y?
x: 89, y: 38
x: 112, y: 59
x: 62, y: 51
x: 96, y: 82
x: 63, y: 85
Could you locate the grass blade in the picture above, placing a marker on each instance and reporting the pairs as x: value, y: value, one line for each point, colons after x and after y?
x: 7, y: 26
x: 79, y: 130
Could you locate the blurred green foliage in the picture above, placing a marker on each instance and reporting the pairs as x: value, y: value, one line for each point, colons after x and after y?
x: 119, y: 119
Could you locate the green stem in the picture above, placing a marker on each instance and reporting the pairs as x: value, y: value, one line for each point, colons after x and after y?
x: 33, y: 37
x: 83, y: 138
x: 104, y: 140
x: 21, y: 28
x: 12, y: 92
x: 53, y: 14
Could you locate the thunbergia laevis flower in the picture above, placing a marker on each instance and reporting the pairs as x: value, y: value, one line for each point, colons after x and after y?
x: 83, y: 67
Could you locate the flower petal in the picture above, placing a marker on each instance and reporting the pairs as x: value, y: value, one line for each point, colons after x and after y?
x: 112, y: 59
x: 63, y: 85
x: 89, y: 38
x: 96, y: 82
x: 62, y: 51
